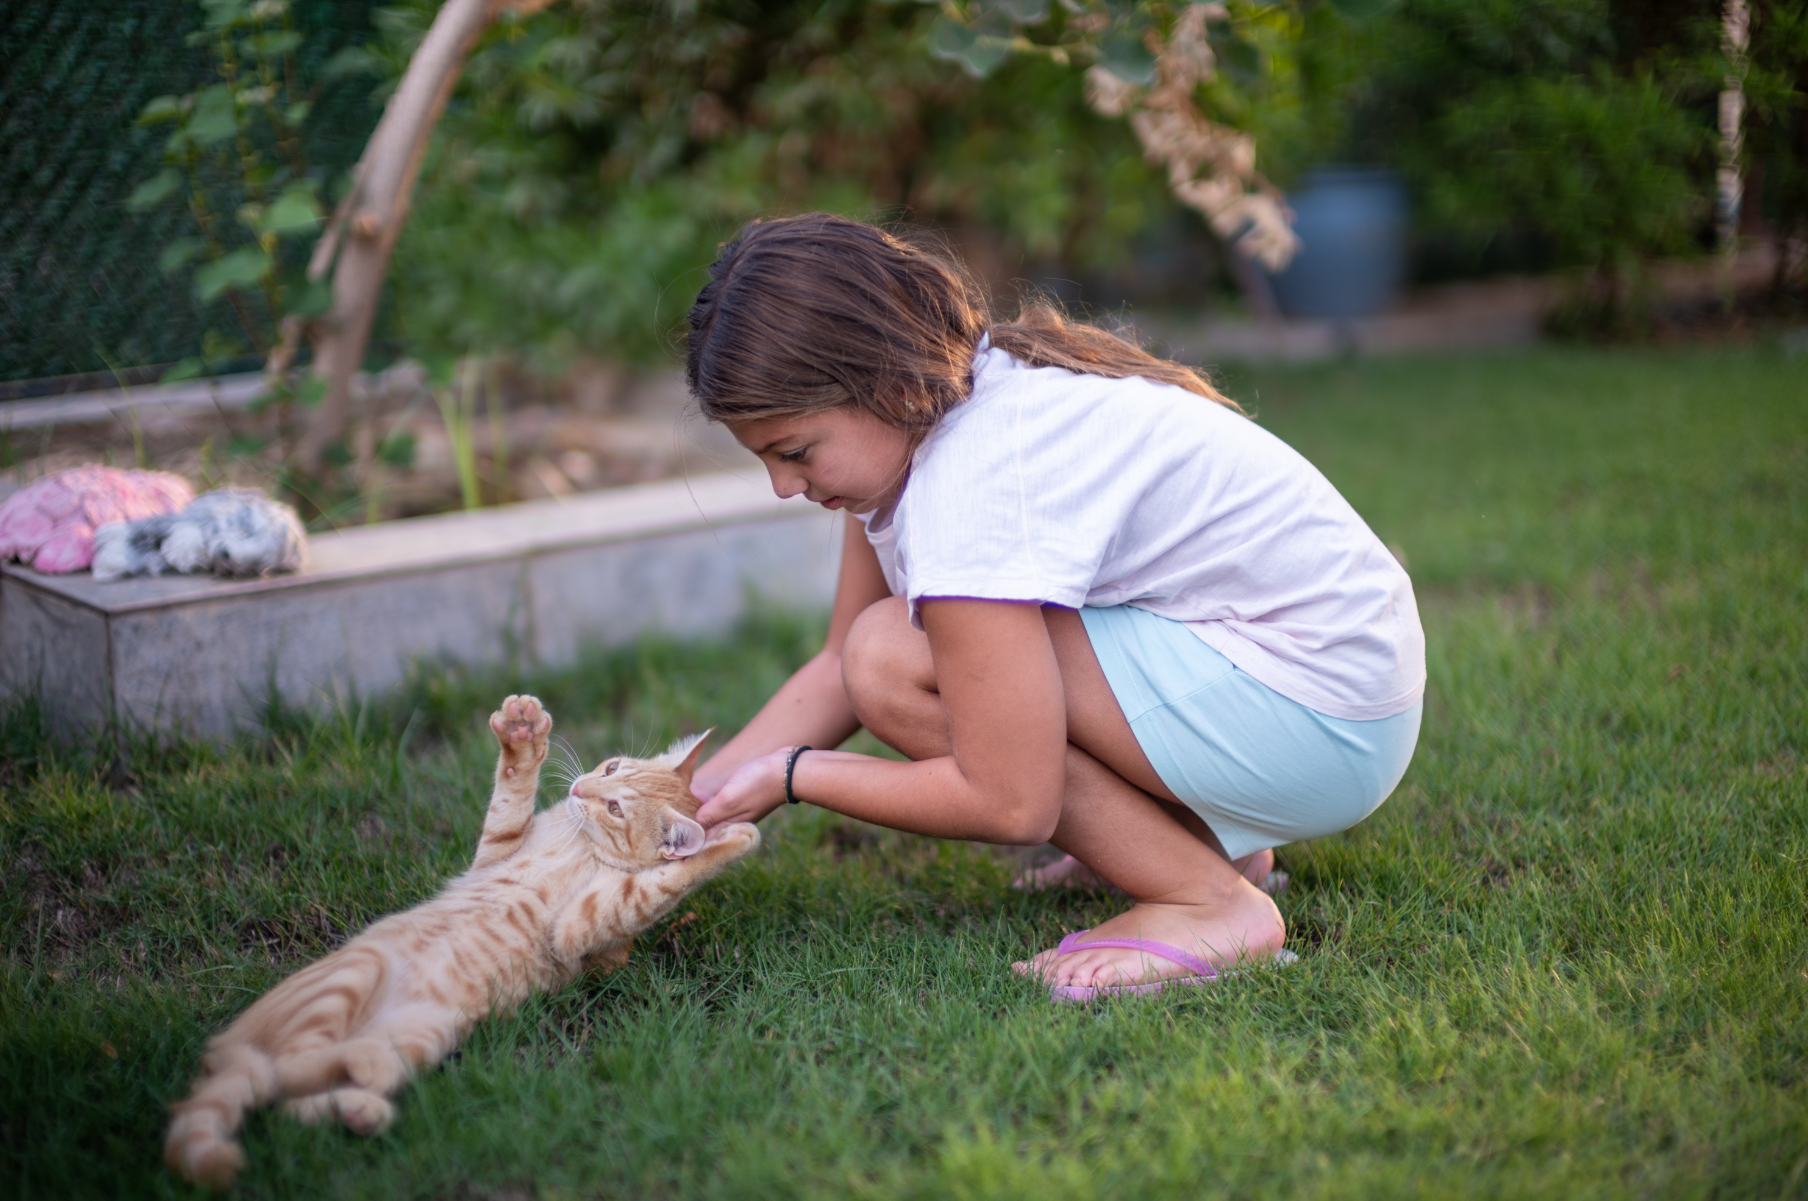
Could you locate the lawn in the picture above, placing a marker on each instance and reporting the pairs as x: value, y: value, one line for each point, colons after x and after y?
x: 1568, y: 958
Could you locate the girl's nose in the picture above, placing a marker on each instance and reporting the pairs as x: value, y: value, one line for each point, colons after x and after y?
x: 786, y: 483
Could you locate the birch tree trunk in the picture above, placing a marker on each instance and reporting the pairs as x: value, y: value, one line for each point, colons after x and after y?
x: 1729, y: 191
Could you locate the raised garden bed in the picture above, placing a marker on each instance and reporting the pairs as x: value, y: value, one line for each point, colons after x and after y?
x: 530, y: 583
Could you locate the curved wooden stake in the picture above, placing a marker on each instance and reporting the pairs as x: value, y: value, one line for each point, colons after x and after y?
x: 357, y: 243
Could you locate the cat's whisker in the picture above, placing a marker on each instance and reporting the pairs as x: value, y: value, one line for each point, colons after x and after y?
x: 570, y: 756
x: 568, y: 769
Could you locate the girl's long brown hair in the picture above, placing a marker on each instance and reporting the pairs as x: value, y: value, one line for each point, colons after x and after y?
x: 808, y: 313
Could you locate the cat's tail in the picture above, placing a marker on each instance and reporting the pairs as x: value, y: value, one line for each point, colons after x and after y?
x: 200, y: 1145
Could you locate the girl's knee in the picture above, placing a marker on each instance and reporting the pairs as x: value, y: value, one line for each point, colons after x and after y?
x: 878, y: 655
x: 885, y: 665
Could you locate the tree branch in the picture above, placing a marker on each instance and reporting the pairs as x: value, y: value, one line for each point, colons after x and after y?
x: 356, y: 245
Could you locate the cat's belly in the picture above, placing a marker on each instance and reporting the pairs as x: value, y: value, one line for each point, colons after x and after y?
x: 464, y: 951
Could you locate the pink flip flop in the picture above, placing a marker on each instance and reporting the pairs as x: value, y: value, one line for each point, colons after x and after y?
x: 1203, y: 972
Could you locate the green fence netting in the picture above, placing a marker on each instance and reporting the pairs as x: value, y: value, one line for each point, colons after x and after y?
x: 80, y: 290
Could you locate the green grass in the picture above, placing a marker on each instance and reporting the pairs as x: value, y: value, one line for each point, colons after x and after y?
x: 1568, y: 958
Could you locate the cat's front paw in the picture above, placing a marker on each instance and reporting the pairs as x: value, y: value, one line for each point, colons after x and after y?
x: 740, y: 838
x: 521, y: 727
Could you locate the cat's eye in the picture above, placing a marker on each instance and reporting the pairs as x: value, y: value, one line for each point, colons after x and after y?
x: 614, y: 809
x: 609, y: 767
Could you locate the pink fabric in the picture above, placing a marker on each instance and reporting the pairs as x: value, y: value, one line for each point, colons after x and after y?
x: 50, y: 523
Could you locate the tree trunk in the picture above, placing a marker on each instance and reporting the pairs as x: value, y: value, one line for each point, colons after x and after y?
x: 357, y: 243
x: 1735, y: 30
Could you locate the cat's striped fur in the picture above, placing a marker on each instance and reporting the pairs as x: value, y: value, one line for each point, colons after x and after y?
x: 549, y: 895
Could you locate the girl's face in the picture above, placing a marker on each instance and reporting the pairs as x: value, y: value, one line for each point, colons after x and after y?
x: 842, y: 458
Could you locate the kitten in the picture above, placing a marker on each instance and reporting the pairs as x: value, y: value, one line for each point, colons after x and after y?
x: 550, y: 894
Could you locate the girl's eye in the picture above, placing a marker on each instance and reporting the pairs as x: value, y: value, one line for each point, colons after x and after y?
x: 793, y: 456
x: 614, y: 809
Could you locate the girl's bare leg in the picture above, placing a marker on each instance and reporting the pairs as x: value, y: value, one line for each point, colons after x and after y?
x: 1068, y: 872
x: 1117, y: 817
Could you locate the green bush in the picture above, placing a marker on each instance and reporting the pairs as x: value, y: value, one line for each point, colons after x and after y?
x: 1545, y: 119
x: 596, y: 154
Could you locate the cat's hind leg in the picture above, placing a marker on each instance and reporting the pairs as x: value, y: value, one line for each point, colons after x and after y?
x: 521, y: 727
x: 358, y: 1109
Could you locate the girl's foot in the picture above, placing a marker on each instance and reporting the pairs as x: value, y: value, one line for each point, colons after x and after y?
x: 1065, y: 872
x: 1258, y: 867
x: 1068, y: 872
x: 1241, y: 928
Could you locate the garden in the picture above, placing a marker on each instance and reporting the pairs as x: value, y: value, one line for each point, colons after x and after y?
x: 1565, y: 957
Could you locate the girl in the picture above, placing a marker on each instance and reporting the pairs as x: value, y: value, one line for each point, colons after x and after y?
x: 1092, y: 601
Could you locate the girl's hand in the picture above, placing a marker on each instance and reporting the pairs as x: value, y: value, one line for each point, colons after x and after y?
x: 755, y: 789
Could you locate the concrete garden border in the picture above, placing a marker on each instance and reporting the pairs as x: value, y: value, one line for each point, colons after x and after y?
x: 532, y: 583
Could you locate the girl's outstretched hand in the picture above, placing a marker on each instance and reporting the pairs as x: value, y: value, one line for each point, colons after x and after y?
x: 755, y: 789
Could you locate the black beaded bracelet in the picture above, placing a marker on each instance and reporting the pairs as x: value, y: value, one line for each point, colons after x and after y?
x: 791, y: 766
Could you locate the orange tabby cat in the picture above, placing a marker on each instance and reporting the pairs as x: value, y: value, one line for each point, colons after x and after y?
x: 550, y: 893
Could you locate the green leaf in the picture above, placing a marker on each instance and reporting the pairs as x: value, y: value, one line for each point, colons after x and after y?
x: 215, y: 117
x: 980, y: 54
x: 1125, y: 56
x: 186, y: 369
x: 1362, y: 10
x: 154, y: 191
x: 224, y: 13
x: 244, y: 266
x: 295, y: 212
x: 353, y: 60
x: 162, y: 108
x: 440, y: 366
x: 216, y: 347
x: 274, y: 44
x: 1240, y: 59
x: 179, y: 254
x: 310, y: 391
x: 298, y: 112
x: 312, y: 297
x: 243, y: 446
x: 398, y: 449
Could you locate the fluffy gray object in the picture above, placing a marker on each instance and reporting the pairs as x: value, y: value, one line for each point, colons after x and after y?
x: 229, y: 532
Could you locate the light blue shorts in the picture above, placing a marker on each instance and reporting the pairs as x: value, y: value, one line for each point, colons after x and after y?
x: 1261, y: 770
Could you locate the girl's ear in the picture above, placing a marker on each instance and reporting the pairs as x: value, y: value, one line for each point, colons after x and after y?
x: 682, y: 756
x: 683, y: 837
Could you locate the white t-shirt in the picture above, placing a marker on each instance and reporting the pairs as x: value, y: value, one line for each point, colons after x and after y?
x: 1079, y: 490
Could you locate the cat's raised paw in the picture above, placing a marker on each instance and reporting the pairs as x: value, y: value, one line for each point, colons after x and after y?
x: 521, y: 726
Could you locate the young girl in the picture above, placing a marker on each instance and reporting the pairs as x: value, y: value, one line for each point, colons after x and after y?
x: 1093, y: 602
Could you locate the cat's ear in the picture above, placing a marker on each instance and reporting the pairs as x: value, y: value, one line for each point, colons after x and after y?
x: 682, y: 756
x: 683, y: 837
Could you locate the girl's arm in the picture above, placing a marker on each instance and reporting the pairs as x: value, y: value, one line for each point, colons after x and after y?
x: 996, y: 671
x: 812, y: 707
